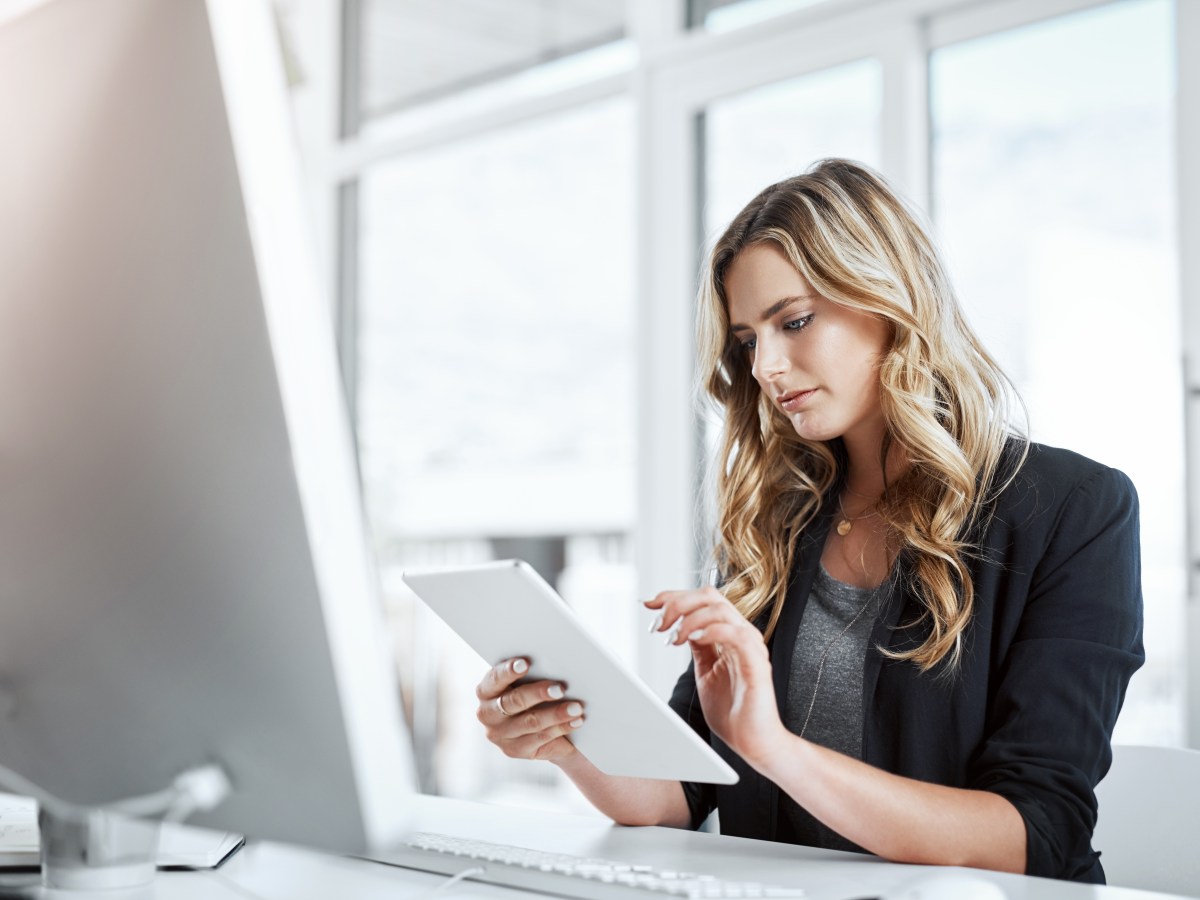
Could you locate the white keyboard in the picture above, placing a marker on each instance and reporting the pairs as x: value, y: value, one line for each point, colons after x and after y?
x: 567, y: 876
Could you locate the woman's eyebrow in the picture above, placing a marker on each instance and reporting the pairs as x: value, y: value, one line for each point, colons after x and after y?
x: 774, y: 309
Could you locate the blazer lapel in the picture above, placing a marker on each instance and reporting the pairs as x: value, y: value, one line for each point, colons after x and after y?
x: 804, y: 572
x: 883, y: 634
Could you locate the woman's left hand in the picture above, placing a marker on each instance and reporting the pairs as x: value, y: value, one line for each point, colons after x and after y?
x: 733, y: 669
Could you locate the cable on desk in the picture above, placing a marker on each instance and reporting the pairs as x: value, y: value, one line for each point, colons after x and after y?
x: 450, y: 882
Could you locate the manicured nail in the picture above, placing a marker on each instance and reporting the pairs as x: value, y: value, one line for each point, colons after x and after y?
x: 696, y: 635
x: 575, y: 723
x: 672, y: 635
x: 574, y: 709
x: 555, y: 691
x: 656, y: 624
x: 520, y: 666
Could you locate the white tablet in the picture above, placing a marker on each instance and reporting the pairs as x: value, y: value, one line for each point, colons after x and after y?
x: 505, y: 609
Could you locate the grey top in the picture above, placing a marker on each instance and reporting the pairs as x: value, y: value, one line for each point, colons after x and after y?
x: 836, y: 626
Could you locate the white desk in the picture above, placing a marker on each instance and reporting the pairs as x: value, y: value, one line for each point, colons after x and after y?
x: 267, y: 871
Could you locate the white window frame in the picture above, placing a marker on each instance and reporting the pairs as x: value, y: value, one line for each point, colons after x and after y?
x: 1187, y: 136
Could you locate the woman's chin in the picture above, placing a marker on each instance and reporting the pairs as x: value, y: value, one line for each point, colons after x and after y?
x: 813, y: 430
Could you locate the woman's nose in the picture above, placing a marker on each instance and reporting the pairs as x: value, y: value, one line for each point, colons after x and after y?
x: 769, y: 361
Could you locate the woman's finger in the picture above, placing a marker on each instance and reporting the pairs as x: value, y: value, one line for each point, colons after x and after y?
x: 518, y: 700
x: 500, y: 677
x: 531, y: 721
x: 510, y: 733
x: 545, y: 744
x: 704, y: 617
x: 724, y: 639
x: 673, y: 604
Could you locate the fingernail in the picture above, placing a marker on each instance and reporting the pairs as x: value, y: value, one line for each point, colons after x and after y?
x: 520, y: 666
x: 672, y: 635
x: 575, y: 723
x: 656, y: 624
x: 574, y: 709
x: 555, y: 691
x: 696, y: 635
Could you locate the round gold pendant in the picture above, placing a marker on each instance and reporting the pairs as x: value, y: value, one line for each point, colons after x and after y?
x: 843, y: 527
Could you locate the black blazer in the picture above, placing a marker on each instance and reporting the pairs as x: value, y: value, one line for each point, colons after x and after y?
x: 1055, y: 636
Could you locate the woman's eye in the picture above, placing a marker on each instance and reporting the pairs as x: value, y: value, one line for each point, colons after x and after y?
x: 798, y: 324
x: 749, y: 345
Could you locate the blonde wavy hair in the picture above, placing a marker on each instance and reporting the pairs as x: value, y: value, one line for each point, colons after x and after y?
x: 946, y: 403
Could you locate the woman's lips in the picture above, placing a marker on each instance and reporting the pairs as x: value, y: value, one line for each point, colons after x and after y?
x: 794, y: 400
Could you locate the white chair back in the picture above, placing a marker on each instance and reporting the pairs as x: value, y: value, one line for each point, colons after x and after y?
x: 1148, y: 832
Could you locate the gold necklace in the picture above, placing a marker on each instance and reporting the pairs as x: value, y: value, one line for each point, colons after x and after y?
x: 847, y: 522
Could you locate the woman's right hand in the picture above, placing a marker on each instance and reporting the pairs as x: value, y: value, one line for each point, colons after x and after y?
x: 527, y: 721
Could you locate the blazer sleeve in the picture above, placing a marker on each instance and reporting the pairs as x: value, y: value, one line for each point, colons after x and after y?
x: 701, y: 798
x: 1063, y: 679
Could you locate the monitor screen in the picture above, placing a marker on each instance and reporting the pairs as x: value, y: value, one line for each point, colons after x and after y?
x: 184, y: 574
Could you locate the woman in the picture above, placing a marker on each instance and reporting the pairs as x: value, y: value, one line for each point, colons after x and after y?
x: 925, y: 625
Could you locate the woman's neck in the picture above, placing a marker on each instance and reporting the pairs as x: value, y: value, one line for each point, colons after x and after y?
x: 867, y: 475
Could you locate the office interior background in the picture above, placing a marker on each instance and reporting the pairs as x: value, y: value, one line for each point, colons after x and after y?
x: 512, y: 199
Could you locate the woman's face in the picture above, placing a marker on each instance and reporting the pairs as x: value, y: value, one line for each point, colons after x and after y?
x: 816, y: 361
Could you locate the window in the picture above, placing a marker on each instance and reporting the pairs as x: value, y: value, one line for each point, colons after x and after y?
x: 496, y: 406
x: 417, y: 50
x: 754, y: 139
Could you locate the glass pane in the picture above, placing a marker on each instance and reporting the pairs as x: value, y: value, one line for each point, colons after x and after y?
x: 496, y: 403
x: 1055, y: 201
x: 415, y: 50
x: 756, y: 138
x: 725, y: 15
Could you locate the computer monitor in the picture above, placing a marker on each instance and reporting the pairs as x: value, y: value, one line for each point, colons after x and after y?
x: 184, y: 573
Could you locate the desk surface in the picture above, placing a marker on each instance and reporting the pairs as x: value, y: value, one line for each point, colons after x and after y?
x: 268, y: 871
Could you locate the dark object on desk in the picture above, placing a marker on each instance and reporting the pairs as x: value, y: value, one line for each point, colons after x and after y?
x: 215, y: 857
